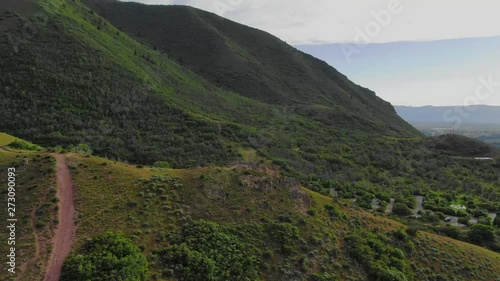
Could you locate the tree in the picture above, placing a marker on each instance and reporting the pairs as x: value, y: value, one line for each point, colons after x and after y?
x: 482, y: 233
x: 496, y: 221
x: 209, y: 252
x: 110, y: 256
x: 401, y: 209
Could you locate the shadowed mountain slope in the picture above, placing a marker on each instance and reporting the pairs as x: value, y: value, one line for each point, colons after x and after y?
x: 247, y: 61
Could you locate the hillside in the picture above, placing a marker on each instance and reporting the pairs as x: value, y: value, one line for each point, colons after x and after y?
x: 5, y: 139
x: 248, y: 61
x: 462, y: 146
x: 74, y: 60
x: 291, y: 232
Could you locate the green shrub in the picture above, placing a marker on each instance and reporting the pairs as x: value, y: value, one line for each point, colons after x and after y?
x: 401, y: 209
x: 22, y: 144
x: 463, y: 220
x: 109, y: 256
x: 311, y: 212
x: 162, y: 164
x: 481, y: 233
x: 209, y: 252
x: 378, y: 256
x: 412, y: 231
x: 333, y: 211
x: 285, y: 235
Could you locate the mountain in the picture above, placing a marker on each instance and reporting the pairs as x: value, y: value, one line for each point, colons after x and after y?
x: 477, y: 115
x: 87, y: 82
x: 247, y: 61
x: 91, y: 83
x: 288, y: 169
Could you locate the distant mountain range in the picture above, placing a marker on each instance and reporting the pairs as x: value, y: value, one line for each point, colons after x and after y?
x: 482, y: 114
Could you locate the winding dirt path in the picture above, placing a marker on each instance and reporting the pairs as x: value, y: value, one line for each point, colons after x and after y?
x: 65, y: 231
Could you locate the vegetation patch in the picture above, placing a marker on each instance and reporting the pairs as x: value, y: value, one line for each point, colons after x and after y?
x: 109, y: 256
x: 24, y: 145
x: 379, y: 257
x: 208, y: 252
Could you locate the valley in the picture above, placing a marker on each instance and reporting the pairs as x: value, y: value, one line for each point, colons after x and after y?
x: 479, y: 122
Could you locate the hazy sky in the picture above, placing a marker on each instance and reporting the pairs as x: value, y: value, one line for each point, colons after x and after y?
x: 436, y: 73
x: 446, y: 72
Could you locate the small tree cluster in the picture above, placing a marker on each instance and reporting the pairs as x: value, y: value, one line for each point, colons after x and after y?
x: 110, y: 256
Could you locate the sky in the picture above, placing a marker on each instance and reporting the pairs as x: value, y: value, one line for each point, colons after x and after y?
x: 439, y: 73
x: 410, y: 52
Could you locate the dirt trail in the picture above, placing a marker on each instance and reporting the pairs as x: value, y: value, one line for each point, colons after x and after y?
x: 65, y: 231
x: 390, y: 206
x: 4, y: 150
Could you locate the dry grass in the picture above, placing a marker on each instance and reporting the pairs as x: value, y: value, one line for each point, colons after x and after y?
x: 5, y: 139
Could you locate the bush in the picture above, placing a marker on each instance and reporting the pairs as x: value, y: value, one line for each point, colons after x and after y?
x: 209, y: 252
x: 378, y: 256
x: 401, y: 209
x: 463, y: 220
x: 412, y: 231
x: 285, y: 235
x: 333, y: 211
x: 481, y: 233
x: 496, y: 222
x: 22, y: 144
x: 449, y: 230
x: 109, y: 256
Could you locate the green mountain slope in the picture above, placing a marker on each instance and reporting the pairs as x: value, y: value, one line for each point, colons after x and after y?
x: 74, y: 60
x: 248, y: 61
x: 87, y: 82
x: 68, y: 83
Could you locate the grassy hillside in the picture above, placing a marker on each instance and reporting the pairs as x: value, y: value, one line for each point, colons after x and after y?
x: 35, y: 211
x: 5, y: 139
x: 294, y: 233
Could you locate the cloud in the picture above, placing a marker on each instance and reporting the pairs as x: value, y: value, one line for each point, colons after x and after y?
x: 336, y: 21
